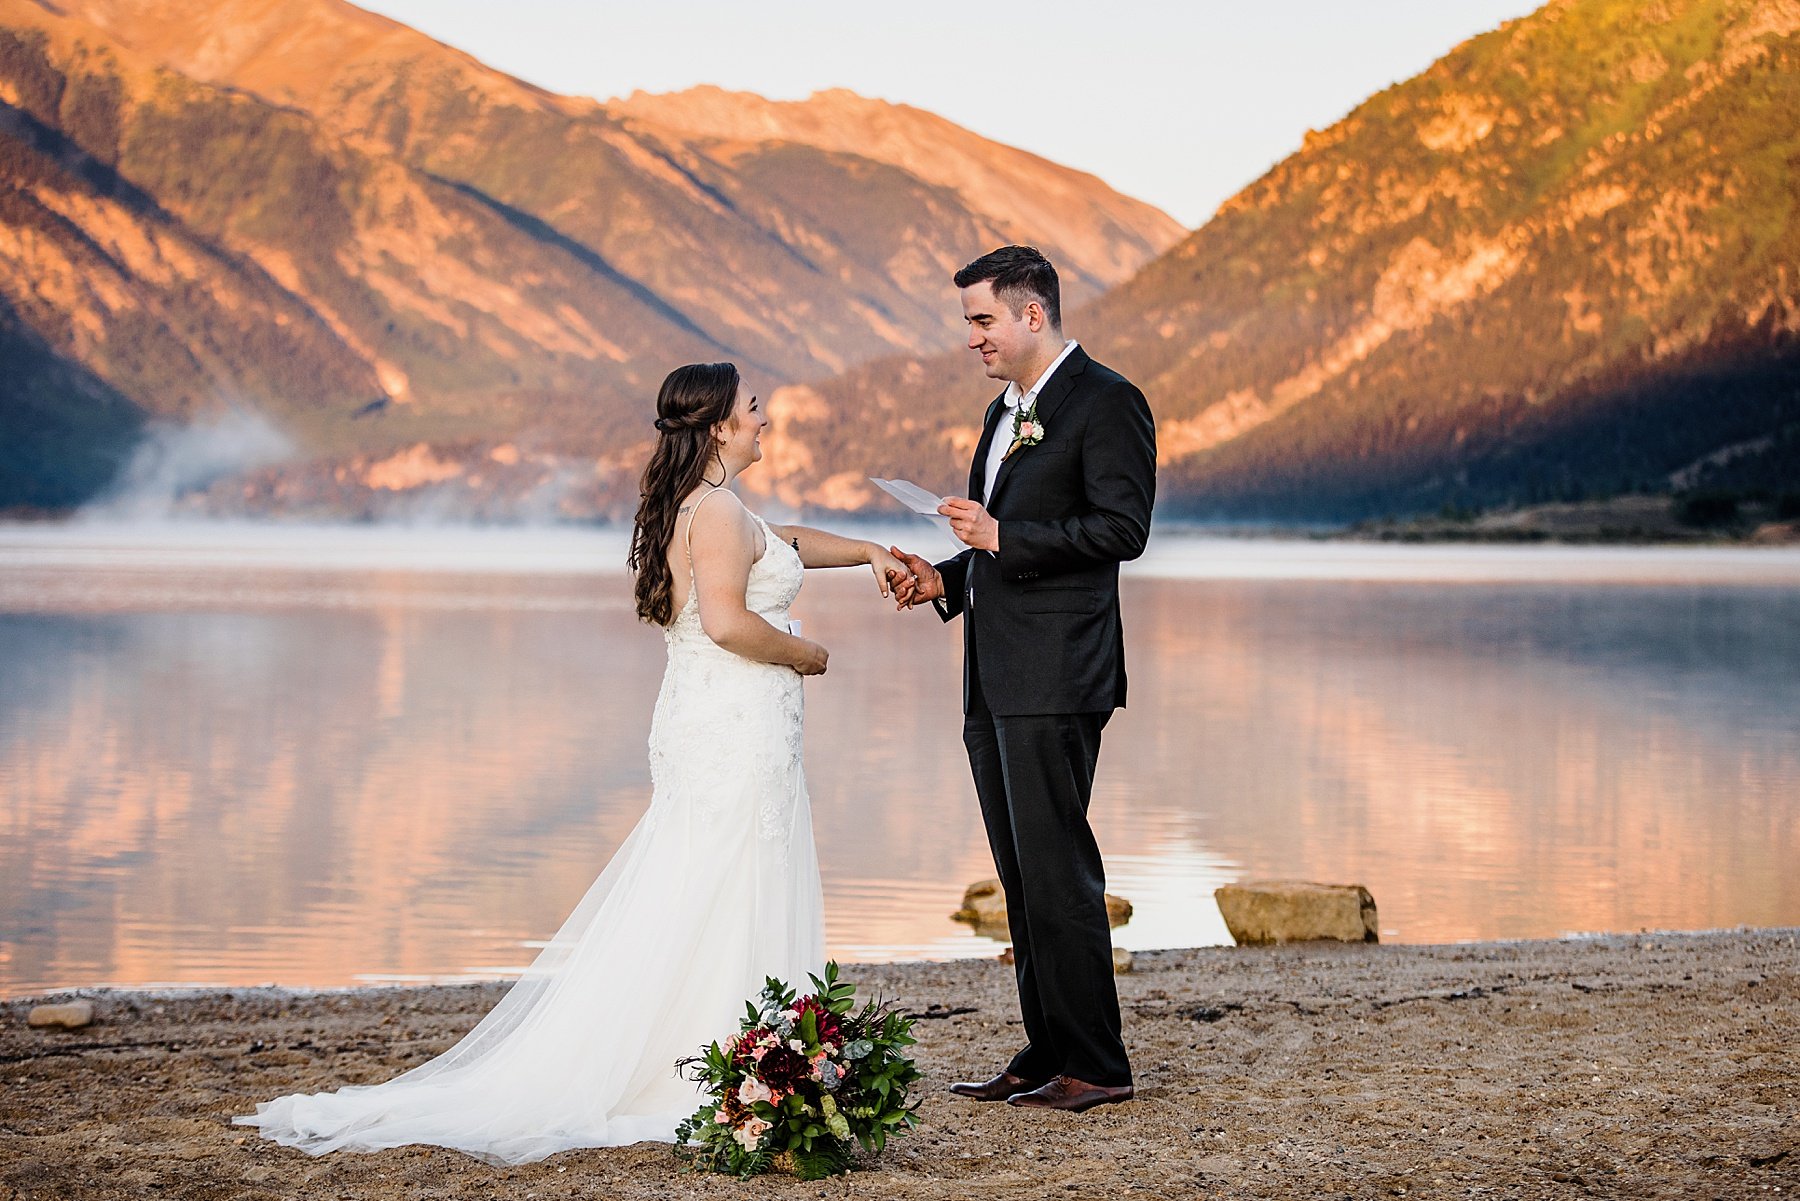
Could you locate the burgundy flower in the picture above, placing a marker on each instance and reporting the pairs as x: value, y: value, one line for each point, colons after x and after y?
x: 829, y: 1031
x: 783, y: 1068
x: 742, y: 1057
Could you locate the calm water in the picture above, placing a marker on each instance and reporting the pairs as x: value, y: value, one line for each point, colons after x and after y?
x: 320, y: 757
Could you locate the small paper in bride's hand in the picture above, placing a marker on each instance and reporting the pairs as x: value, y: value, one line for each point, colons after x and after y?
x: 794, y: 626
x: 918, y: 500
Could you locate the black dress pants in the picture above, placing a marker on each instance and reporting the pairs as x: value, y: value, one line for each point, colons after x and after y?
x: 1034, y: 775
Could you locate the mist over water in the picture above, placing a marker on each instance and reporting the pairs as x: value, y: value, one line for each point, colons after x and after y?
x: 176, y: 459
x: 241, y: 753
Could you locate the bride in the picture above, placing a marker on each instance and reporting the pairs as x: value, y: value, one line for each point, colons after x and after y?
x: 718, y: 885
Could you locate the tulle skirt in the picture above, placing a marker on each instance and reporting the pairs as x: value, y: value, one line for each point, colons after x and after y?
x: 715, y: 889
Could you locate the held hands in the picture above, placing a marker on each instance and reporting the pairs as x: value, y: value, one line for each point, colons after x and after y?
x: 972, y: 523
x: 889, y: 571
x: 923, y: 584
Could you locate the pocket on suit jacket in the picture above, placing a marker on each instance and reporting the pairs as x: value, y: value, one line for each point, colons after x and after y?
x: 1062, y: 598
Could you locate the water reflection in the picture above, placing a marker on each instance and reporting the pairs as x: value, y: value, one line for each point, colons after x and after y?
x: 1503, y: 761
x: 327, y: 775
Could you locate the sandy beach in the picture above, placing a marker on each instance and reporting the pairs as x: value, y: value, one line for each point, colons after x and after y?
x: 1650, y: 1065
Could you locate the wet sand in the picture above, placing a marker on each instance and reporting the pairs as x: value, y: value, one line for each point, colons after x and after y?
x: 1651, y: 1065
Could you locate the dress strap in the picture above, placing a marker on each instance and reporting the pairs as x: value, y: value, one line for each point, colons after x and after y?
x: 687, y: 540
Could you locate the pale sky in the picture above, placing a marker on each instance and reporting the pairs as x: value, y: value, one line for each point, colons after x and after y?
x: 1180, y: 104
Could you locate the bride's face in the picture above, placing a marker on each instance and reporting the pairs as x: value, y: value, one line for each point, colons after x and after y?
x: 741, y: 435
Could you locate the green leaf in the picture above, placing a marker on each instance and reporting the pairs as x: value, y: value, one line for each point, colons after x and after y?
x: 826, y: 1159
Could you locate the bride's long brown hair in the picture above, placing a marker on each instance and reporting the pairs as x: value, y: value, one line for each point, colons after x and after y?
x: 694, y: 400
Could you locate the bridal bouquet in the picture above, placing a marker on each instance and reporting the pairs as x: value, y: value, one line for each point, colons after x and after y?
x: 801, y: 1084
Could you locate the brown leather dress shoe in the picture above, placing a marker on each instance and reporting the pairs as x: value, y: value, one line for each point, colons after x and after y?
x: 1068, y: 1093
x: 998, y: 1089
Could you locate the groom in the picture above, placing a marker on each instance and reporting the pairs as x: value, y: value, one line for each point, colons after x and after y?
x: 1059, y: 495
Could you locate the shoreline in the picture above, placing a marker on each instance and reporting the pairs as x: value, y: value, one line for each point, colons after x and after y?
x: 1641, y: 521
x: 200, y: 992
x: 1657, y: 1063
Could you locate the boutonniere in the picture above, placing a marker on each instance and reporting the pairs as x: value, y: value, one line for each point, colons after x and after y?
x: 1027, y: 429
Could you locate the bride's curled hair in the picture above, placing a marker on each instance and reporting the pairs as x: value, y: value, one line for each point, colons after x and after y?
x: 694, y: 400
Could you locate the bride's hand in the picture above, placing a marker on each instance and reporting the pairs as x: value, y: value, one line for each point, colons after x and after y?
x: 811, y: 659
x: 889, y: 571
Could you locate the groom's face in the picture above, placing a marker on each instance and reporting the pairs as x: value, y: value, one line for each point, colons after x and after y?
x: 1005, y: 340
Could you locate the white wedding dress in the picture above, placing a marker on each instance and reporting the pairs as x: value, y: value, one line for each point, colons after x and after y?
x: 716, y: 888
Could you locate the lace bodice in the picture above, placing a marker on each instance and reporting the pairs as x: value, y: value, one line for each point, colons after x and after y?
x: 723, y: 720
x: 774, y: 582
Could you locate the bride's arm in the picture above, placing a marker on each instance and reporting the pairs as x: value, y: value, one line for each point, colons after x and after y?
x: 724, y: 548
x: 822, y: 548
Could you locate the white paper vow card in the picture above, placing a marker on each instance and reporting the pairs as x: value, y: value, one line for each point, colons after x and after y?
x: 794, y: 627
x: 924, y: 503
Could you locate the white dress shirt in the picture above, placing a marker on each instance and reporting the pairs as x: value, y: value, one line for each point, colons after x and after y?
x: 1013, y: 399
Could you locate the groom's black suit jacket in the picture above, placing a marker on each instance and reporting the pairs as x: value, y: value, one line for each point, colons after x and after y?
x: 1045, y: 611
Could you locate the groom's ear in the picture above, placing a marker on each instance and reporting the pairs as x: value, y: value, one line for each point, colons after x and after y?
x: 1035, y: 317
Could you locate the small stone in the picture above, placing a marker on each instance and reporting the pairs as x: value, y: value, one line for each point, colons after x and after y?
x: 984, y: 907
x: 1276, y: 911
x: 71, y: 1015
x: 1121, y: 961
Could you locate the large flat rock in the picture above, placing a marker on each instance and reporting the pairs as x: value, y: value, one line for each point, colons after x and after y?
x: 1273, y: 911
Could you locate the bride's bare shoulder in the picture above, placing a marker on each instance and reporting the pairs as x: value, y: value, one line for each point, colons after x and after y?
x: 713, y: 505
x: 718, y: 518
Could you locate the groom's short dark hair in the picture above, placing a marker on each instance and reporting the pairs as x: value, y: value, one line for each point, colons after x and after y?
x: 1020, y: 275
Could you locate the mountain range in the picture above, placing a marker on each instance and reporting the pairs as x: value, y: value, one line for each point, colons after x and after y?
x: 305, y: 210
x: 1561, y: 262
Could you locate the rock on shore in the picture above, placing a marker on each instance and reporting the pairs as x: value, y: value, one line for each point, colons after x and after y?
x: 1265, y: 911
x: 984, y: 908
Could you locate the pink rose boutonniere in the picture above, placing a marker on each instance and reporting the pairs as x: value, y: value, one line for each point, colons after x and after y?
x: 1027, y: 429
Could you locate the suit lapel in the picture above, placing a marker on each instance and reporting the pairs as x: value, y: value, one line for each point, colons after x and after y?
x: 1056, y: 390
x: 978, y: 469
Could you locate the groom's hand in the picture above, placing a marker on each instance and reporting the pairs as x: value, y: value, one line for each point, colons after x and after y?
x: 972, y: 523
x: 923, y: 585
